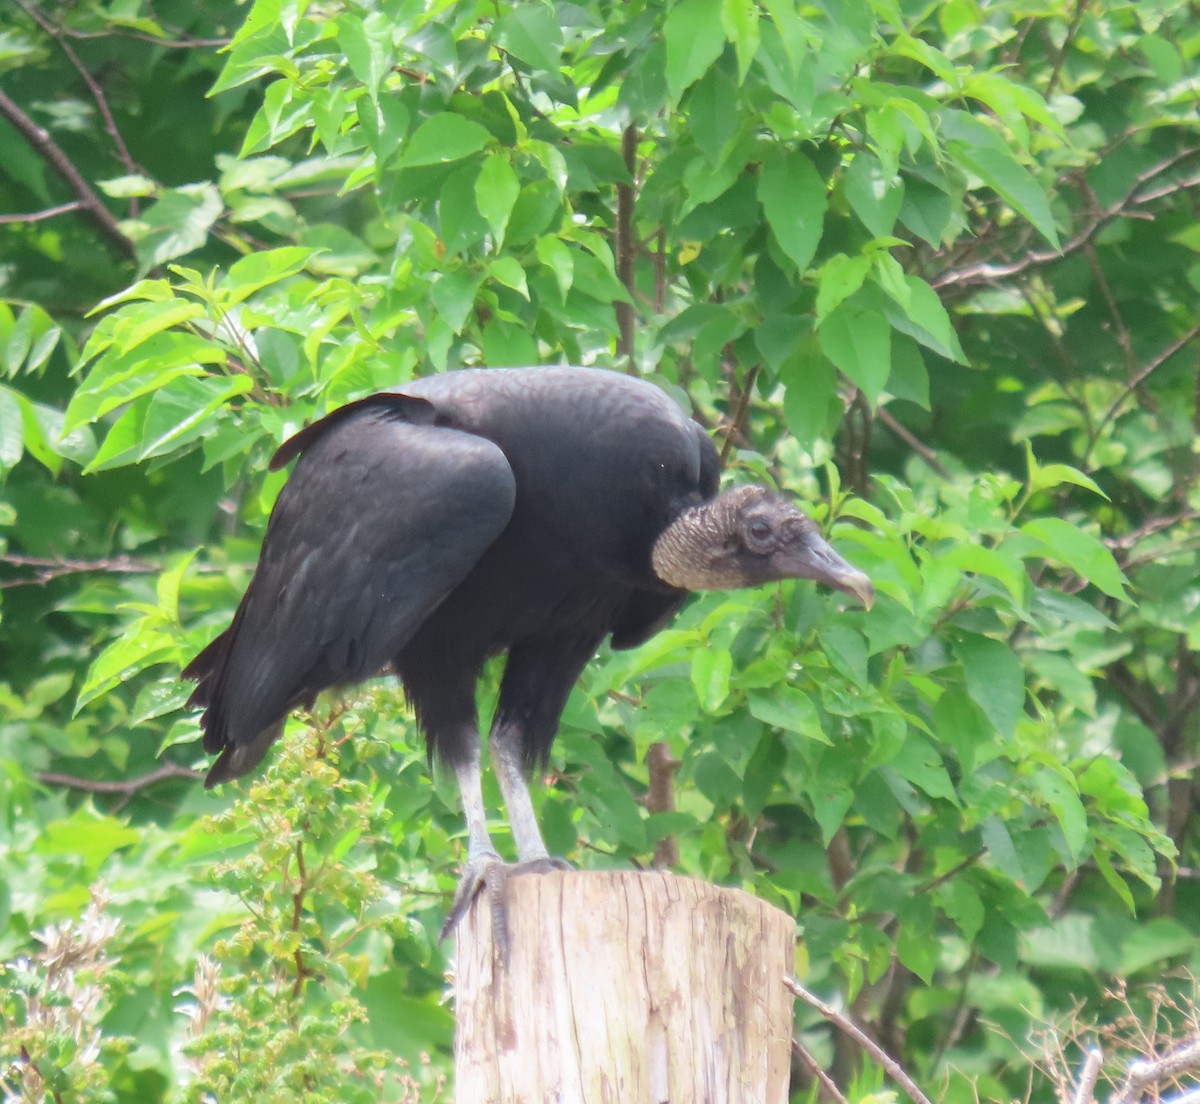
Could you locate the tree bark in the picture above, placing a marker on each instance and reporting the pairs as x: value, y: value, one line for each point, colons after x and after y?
x: 639, y: 988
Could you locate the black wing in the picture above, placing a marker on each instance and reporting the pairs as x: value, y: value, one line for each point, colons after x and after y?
x: 380, y: 521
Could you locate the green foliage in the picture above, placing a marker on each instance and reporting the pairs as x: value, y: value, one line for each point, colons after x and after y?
x: 933, y: 266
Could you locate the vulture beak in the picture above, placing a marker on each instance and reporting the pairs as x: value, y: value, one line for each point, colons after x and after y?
x: 816, y: 559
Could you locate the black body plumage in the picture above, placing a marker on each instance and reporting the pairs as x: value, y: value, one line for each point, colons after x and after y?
x: 471, y: 514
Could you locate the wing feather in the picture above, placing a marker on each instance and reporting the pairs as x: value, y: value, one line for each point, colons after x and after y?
x: 379, y: 522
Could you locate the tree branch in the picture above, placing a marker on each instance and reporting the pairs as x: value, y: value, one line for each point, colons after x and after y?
x: 40, y: 216
x: 920, y: 448
x: 110, y: 124
x: 987, y: 272
x: 51, y: 152
x: 828, y: 1087
x: 126, y: 787
x: 50, y: 568
x: 1151, y: 1071
x: 890, y: 1066
x: 1137, y: 380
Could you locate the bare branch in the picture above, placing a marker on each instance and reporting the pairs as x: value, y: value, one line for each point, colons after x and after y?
x: 1137, y: 380
x: 110, y: 124
x: 890, y: 1066
x: 39, y: 216
x: 831, y: 1091
x: 125, y: 787
x: 919, y: 447
x: 1152, y: 1071
x: 738, y: 421
x: 50, y: 568
x: 1085, y: 1091
x: 987, y: 272
x: 51, y: 152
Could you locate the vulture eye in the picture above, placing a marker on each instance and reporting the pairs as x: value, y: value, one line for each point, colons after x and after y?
x: 759, y: 533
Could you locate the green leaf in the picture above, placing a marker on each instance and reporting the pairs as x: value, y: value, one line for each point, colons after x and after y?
x: 442, y: 138
x: 859, y: 342
x: 977, y: 146
x: 1057, y: 788
x: 793, y: 198
x: 711, y: 668
x: 695, y: 39
x: 12, y: 429
x: 919, y: 763
x: 1000, y: 846
x: 846, y: 650
x: 147, y: 644
x: 918, y: 312
x: 367, y: 46
x: 179, y: 412
x: 178, y: 223
x: 874, y: 197
x: 830, y: 804
x: 839, y: 278
x: 508, y: 271
x: 454, y: 296
x: 917, y: 944
x: 532, y: 32
x: 788, y: 708
x: 1064, y: 543
x: 557, y: 257
x: 994, y: 679
x: 739, y: 20
x: 496, y: 191
x: 115, y: 380
x: 260, y: 270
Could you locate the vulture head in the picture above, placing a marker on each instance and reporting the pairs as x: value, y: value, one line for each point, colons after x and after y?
x: 748, y: 536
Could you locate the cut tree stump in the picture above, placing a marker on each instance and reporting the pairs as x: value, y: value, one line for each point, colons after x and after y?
x: 638, y: 988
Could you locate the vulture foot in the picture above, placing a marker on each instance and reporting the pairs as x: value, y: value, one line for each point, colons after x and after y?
x: 490, y: 872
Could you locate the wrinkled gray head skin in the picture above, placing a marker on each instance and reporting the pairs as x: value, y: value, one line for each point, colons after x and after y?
x: 748, y: 536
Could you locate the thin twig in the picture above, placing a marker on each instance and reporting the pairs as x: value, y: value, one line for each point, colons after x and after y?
x: 1138, y: 379
x: 110, y: 124
x: 1060, y: 55
x: 125, y: 786
x: 51, y: 152
x: 828, y: 1087
x: 988, y: 272
x: 51, y: 568
x: 890, y: 1066
x: 38, y: 216
x: 739, y: 415
x: 919, y: 447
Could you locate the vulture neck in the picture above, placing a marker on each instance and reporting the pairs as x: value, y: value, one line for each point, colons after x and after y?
x: 696, y: 551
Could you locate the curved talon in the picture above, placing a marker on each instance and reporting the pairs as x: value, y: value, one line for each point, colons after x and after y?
x: 493, y: 874
x: 477, y: 873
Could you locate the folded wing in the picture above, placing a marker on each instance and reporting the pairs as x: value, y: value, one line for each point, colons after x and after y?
x: 380, y: 521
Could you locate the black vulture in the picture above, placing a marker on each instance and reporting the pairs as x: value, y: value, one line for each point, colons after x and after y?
x: 530, y: 511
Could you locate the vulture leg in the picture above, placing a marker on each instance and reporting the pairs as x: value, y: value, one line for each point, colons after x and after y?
x: 505, y: 743
x: 483, y: 865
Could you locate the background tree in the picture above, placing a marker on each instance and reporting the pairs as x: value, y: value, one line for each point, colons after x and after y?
x: 936, y: 264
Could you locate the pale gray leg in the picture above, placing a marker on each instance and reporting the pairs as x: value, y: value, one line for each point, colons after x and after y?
x: 483, y: 865
x: 470, y: 788
x: 505, y: 744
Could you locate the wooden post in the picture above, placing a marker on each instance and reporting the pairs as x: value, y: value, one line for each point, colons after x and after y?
x: 638, y: 988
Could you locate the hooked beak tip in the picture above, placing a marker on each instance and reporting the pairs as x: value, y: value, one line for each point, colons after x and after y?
x: 861, y: 587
